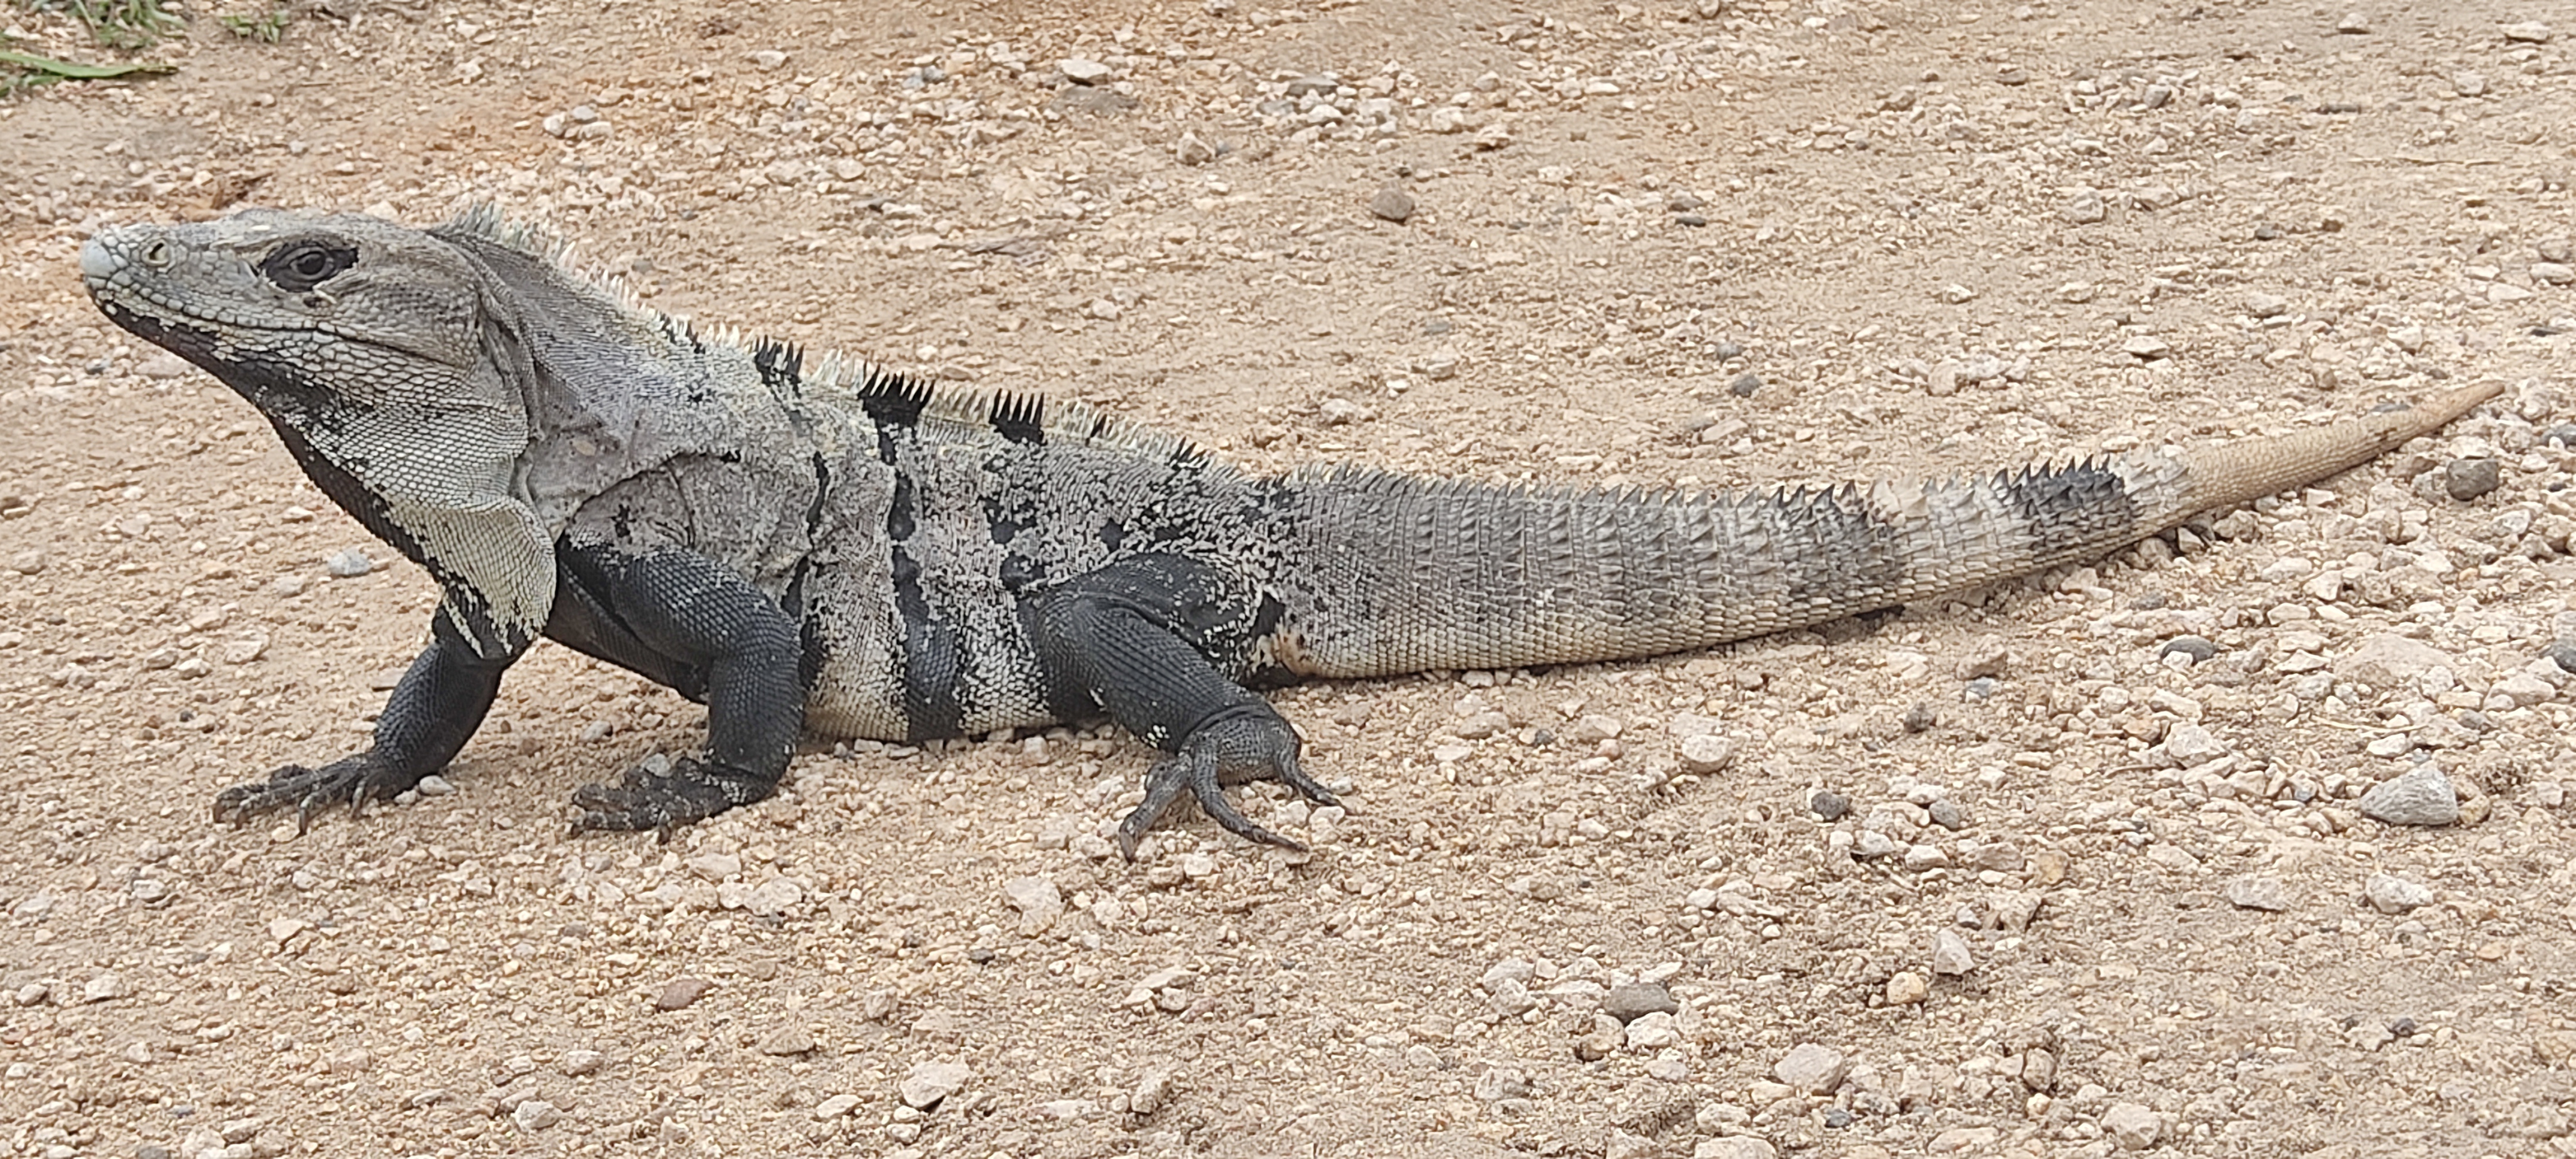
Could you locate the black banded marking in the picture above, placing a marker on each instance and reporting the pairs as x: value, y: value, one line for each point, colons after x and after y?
x: 822, y: 492
x: 932, y: 658
x: 1020, y: 418
x: 781, y: 366
x: 892, y: 399
x: 2069, y: 504
x: 1833, y: 546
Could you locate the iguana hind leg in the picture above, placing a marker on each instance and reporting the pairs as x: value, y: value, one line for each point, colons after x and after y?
x: 708, y: 621
x: 1135, y: 639
x: 432, y: 712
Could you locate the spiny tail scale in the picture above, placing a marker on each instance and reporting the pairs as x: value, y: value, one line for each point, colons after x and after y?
x: 1404, y: 574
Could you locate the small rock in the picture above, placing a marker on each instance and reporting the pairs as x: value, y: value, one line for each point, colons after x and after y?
x: 1706, y: 753
x: 1039, y: 901
x: 1811, y: 1068
x: 2146, y: 347
x: 2391, y: 661
x: 1192, y: 151
x: 1907, y: 988
x: 581, y: 1061
x: 1829, y: 805
x: 836, y: 1106
x: 2395, y: 895
x: 246, y: 648
x: 2263, y: 305
x: 929, y: 1082
x: 28, y: 563
x: 2197, y: 649
x: 535, y: 1115
x: 1153, y: 1089
x: 2038, y: 1070
x: 348, y: 563
x: 1392, y: 204
x: 2191, y: 744
x: 715, y: 866
x: 2527, y: 32
x: 2352, y: 24
x: 768, y: 60
x: 1653, y: 1031
x: 2262, y: 892
x: 2553, y: 273
x: 1502, y: 1082
x: 1950, y: 954
x: 1636, y: 1000
x: 787, y: 1041
x: 106, y: 987
x: 1734, y: 1147
x: 2419, y: 796
x: 1947, y: 814
x: 2084, y: 209
x: 682, y: 993
x: 2133, y: 1126
x: 2469, y: 84
x: 2467, y: 479
x: 1920, y: 858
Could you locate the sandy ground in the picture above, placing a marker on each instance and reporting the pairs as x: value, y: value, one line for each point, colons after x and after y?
x: 2088, y: 897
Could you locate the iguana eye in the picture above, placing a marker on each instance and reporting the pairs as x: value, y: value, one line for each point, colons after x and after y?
x: 300, y: 267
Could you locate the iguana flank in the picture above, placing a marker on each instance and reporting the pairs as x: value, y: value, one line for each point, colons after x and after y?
x: 815, y: 544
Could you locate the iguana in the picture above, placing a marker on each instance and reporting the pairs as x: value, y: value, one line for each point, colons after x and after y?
x: 816, y: 544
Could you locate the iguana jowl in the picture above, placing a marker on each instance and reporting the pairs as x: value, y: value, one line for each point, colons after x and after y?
x: 813, y: 544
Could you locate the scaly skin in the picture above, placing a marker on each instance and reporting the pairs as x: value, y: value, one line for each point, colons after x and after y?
x: 814, y: 544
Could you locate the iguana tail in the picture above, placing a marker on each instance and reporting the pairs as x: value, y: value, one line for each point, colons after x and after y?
x: 1394, y: 573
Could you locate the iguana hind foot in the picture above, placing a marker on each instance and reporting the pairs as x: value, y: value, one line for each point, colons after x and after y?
x: 1229, y: 750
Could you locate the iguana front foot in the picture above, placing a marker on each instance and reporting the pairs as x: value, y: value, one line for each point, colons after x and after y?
x: 354, y: 779
x: 1227, y: 751
x: 691, y: 790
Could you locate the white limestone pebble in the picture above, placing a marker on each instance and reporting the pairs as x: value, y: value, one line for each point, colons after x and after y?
x: 2419, y: 796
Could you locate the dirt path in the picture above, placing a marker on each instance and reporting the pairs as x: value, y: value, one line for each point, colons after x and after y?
x: 2088, y: 895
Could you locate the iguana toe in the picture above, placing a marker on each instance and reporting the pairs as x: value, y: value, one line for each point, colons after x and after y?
x: 691, y: 790
x: 354, y: 780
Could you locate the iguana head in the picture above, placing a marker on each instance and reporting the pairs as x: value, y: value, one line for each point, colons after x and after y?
x: 391, y: 361
x: 304, y: 315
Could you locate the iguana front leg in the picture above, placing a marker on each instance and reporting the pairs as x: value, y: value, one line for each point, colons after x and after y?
x: 1134, y: 639
x: 435, y: 708
x: 715, y: 625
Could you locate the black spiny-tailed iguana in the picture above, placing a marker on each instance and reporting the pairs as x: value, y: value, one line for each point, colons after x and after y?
x: 816, y: 544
